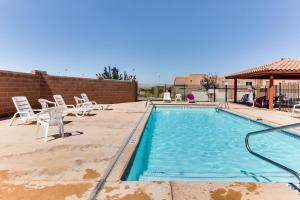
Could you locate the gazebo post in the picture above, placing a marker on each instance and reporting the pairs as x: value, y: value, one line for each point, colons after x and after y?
x: 235, y: 90
x: 271, y: 92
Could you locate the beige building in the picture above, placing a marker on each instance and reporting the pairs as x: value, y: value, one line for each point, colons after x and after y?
x: 191, y: 80
x: 191, y: 83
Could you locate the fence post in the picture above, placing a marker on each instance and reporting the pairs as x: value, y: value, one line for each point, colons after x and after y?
x: 226, y: 93
x: 184, y: 94
x: 280, y: 98
x: 298, y: 90
x: 266, y: 91
x: 214, y: 93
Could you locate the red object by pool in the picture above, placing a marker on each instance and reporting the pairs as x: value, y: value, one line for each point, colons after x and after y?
x: 190, y: 96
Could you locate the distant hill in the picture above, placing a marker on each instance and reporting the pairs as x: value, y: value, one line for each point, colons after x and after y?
x: 150, y: 85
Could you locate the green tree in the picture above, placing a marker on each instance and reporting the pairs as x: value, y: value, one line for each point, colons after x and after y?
x: 209, y: 82
x: 106, y: 74
x: 113, y: 73
x: 128, y: 77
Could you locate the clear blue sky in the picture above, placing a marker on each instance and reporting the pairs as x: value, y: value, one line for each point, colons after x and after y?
x: 156, y: 37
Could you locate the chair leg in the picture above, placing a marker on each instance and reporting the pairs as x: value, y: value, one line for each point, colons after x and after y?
x: 98, y: 107
x: 46, y: 132
x: 37, y: 130
x: 12, y: 119
x: 61, y: 130
x: 293, y: 113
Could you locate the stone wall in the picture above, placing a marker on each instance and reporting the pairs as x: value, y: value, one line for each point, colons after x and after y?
x: 41, y: 85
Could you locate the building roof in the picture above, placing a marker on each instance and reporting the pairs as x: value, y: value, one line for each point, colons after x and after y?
x: 283, y: 69
x: 180, y: 80
x: 192, y: 79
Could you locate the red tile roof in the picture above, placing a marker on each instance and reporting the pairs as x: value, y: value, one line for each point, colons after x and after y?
x: 283, y: 66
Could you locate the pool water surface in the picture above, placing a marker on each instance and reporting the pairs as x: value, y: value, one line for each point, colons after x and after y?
x: 204, y: 145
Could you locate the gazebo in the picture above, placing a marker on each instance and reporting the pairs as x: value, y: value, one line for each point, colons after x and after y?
x: 284, y: 69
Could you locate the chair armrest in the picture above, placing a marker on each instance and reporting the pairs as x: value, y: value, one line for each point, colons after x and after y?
x: 51, y: 102
x: 36, y: 110
x: 93, y: 102
x: 80, y: 99
x: 22, y: 112
x: 84, y: 104
x: 296, y: 105
x: 42, y: 113
x: 71, y: 106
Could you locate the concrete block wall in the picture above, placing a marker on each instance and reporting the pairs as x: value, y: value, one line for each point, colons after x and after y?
x: 41, y: 85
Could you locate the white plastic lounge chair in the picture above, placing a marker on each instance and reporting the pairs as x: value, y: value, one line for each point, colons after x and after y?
x: 178, y: 97
x: 68, y: 109
x: 83, y: 107
x: 55, y: 118
x: 296, y: 108
x: 45, y: 103
x: 94, y: 104
x: 24, y: 110
x: 167, y: 97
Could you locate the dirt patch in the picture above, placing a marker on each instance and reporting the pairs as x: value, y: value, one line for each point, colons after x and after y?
x: 3, y: 175
x: 251, y: 187
x: 90, y: 174
x: 108, y: 189
x: 56, y: 192
x: 137, y: 195
x: 222, y: 194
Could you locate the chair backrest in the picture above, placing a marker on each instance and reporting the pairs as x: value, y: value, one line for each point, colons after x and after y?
x: 59, y: 100
x: 44, y: 103
x: 23, y: 107
x: 55, y: 115
x: 85, y: 97
x: 81, y: 104
x: 178, y: 96
x: 78, y: 101
x: 167, y: 95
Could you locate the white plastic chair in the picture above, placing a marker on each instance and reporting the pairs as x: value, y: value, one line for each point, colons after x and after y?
x: 68, y: 109
x: 94, y: 104
x: 167, y: 97
x: 296, y: 109
x: 45, y: 103
x: 82, y: 106
x: 24, y: 110
x: 54, y: 118
x: 178, y: 97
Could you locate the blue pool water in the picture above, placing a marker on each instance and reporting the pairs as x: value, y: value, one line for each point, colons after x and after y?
x: 204, y: 145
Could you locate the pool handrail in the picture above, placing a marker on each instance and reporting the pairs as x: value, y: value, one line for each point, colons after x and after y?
x: 149, y: 102
x: 225, y: 104
x: 294, y: 173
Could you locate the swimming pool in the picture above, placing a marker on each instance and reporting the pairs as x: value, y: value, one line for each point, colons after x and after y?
x: 204, y: 145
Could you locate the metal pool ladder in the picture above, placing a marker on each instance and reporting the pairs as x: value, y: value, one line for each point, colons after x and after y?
x: 294, y: 173
x: 221, y: 105
x: 148, y: 102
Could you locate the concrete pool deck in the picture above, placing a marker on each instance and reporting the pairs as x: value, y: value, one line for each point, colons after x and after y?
x: 70, y: 167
